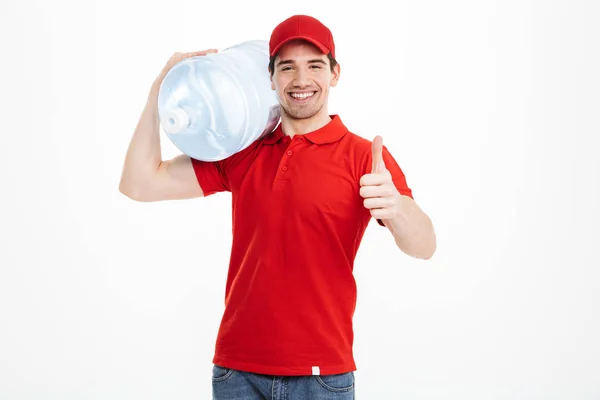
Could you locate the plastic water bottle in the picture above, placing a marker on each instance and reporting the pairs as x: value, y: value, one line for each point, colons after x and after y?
x: 216, y: 105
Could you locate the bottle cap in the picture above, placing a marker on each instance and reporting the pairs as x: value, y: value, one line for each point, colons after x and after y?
x: 174, y: 120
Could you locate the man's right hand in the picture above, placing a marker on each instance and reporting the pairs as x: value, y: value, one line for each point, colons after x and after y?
x: 176, y: 58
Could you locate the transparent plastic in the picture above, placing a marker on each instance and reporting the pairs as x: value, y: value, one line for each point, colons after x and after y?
x: 216, y: 105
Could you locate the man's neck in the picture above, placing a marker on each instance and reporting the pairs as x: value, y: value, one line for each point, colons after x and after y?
x: 292, y: 126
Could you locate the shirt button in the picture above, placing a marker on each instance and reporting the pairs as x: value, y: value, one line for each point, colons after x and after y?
x: 289, y: 153
x: 284, y: 168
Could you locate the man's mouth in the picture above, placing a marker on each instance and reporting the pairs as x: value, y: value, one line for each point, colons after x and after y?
x: 302, y: 95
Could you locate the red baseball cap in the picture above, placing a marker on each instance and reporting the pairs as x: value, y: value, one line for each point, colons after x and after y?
x: 302, y: 27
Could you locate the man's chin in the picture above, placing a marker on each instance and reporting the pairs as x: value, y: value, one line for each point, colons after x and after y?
x: 300, y: 114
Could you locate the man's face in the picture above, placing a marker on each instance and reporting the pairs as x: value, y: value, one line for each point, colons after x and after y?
x: 302, y: 76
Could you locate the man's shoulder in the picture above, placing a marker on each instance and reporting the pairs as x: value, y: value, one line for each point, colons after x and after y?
x: 358, y: 142
x: 358, y: 139
x: 242, y: 158
x: 361, y: 142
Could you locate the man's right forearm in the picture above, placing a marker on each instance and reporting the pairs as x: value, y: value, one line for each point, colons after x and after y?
x: 144, y: 153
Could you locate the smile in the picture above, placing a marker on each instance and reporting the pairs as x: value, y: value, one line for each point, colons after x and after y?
x: 302, y: 96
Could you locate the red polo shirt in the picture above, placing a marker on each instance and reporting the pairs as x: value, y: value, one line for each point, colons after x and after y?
x: 298, y: 220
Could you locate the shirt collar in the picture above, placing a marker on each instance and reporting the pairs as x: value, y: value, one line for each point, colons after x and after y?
x: 333, y: 131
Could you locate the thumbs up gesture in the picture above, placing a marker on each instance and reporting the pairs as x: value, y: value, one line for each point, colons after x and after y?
x: 377, y: 188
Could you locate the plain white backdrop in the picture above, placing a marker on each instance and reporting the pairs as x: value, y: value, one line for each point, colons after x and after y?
x: 490, y: 107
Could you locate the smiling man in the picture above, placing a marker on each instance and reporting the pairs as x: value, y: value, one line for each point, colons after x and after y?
x: 302, y: 198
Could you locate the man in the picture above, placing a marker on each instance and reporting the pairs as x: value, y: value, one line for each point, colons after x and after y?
x: 302, y: 198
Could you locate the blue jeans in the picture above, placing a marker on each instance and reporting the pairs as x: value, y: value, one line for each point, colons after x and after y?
x: 230, y: 384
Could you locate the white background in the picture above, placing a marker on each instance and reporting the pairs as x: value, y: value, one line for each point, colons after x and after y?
x: 490, y: 107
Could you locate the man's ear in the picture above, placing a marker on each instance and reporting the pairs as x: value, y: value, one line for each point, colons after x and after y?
x: 335, y: 75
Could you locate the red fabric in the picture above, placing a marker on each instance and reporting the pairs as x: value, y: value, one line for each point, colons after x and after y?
x: 302, y: 27
x: 298, y: 220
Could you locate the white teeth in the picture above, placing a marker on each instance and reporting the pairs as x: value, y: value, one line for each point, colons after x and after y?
x: 302, y: 95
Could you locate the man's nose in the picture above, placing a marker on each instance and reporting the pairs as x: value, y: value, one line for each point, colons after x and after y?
x: 302, y: 78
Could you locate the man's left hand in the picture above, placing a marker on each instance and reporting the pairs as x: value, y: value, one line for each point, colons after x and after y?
x: 377, y: 188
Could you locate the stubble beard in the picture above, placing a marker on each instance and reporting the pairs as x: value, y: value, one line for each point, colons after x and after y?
x: 301, y: 112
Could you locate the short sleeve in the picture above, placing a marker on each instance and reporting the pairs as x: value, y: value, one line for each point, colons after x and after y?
x: 211, y: 176
x: 397, y: 174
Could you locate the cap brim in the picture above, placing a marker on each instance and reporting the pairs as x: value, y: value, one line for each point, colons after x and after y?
x: 319, y: 45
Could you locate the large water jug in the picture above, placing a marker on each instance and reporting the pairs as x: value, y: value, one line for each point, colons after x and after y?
x: 216, y: 105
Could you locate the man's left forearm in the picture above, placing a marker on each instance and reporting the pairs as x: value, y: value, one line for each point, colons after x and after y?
x: 412, y: 229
